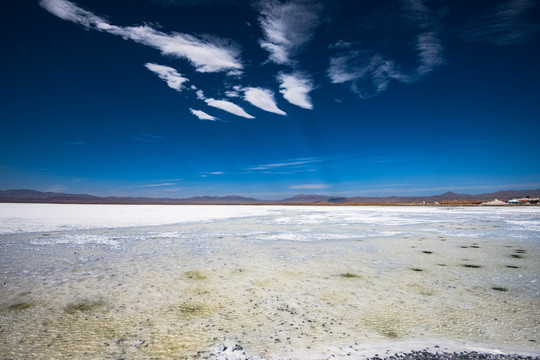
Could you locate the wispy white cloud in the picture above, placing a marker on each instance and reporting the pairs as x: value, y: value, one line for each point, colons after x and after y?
x: 369, y: 73
x: 206, y: 174
x: 153, y: 184
x: 295, y: 88
x: 172, y: 77
x: 220, y: 104
x: 310, y: 186
x: 232, y: 94
x: 505, y: 24
x: 287, y: 27
x: 200, y: 95
x: 430, y: 53
x: 159, y: 185
x: 148, y: 138
x: 287, y: 164
x: 57, y: 189
x: 341, y: 44
x: 75, y: 142
x: 263, y: 99
x: 229, y: 107
x: 418, y: 14
x: 206, y: 54
x: 202, y: 115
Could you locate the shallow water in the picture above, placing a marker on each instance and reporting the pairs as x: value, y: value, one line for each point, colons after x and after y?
x: 103, y: 281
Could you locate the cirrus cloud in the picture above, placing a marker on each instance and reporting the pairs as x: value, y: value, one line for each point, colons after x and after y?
x: 172, y: 77
x: 287, y: 27
x: 263, y: 99
x: 295, y: 88
x: 369, y: 73
x: 505, y: 24
x: 228, y: 107
x: 205, y: 53
x: 202, y: 115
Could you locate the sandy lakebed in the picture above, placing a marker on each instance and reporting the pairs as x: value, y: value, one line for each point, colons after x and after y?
x: 272, y: 282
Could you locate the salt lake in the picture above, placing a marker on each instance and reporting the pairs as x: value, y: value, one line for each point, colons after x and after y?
x: 138, y: 282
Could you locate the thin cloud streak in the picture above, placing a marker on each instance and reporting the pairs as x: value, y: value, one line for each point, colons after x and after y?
x: 229, y: 107
x: 172, y: 77
x: 263, y: 99
x: 310, y: 187
x: 148, y: 138
x: 206, y: 54
x: 223, y: 105
x: 506, y: 24
x: 291, y: 163
x: 202, y: 115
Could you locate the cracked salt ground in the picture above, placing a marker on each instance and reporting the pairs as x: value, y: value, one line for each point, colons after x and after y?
x: 277, y: 289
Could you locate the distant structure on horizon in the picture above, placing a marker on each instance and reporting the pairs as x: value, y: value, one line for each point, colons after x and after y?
x: 523, y: 201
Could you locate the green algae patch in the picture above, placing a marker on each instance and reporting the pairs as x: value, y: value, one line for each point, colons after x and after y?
x: 472, y: 266
x: 387, y: 325
x: 417, y: 269
x: 498, y: 288
x: 191, y: 310
x: 85, y: 306
x: 196, y: 275
x: 20, y: 306
x: 389, y: 333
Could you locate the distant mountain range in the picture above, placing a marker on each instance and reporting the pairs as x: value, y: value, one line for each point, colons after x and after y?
x: 32, y: 196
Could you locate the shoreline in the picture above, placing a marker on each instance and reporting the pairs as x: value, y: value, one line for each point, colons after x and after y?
x: 405, y: 349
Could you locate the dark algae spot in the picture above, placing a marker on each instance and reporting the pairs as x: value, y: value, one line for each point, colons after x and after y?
x: 196, y: 275
x: 498, y: 288
x: 520, y: 251
x: 512, y: 267
x: 20, y: 306
x: 516, y: 256
x: 475, y: 246
x: 83, y: 307
x: 472, y: 266
x: 349, y: 276
x: 416, y: 269
x: 427, y: 252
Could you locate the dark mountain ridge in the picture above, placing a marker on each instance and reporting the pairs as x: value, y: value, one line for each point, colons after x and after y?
x: 32, y: 196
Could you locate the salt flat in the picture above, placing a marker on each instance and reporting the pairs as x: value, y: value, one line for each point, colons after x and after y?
x: 110, y: 281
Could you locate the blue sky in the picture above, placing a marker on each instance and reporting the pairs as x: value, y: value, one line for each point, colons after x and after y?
x: 176, y: 98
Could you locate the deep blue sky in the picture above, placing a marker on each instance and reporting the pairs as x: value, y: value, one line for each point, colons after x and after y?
x: 268, y: 99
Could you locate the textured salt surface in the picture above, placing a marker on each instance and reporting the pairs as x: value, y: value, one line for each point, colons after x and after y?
x: 22, y: 218
x: 282, y: 282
